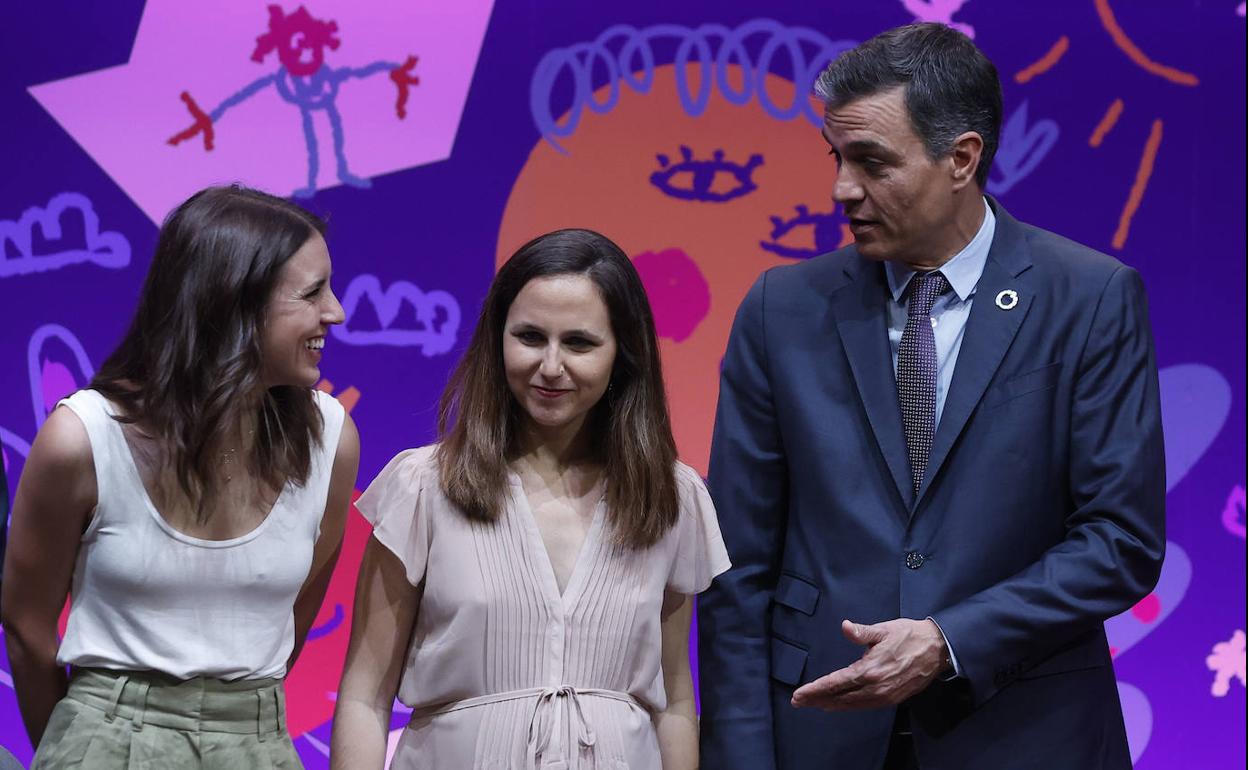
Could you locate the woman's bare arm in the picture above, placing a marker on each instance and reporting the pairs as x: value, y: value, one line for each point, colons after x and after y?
x: 329, y: 544
x: 677, y: 725
x: 55, y: 499
x: 381, y: 627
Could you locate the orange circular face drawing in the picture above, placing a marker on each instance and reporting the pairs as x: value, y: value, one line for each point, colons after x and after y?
x: 702, y: 204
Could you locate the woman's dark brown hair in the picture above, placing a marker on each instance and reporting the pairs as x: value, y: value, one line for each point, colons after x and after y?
x: 189, y: 368
x: 478, y: 417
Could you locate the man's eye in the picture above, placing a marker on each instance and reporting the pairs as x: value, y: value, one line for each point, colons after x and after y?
x: 874, y: 166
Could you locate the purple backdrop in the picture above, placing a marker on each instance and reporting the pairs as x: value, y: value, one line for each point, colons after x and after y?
x: 679, y: 135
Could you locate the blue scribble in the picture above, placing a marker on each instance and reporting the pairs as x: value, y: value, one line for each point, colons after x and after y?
x: 328, y: 627
x: 107, y: 249
x: 826, y: 233
x: 702, y: 175
x: 304, y: 80
x: 15, y: 442
x: 433, y: 337
x: 34, y: 364
x: 1021, y: 150
x: 628, y: 55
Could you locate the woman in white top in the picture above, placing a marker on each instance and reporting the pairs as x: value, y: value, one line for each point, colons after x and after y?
x: 191, y: 502
x: 526, y: 589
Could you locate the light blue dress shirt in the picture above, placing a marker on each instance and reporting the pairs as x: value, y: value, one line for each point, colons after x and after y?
x: 951, y: 309
x: 949, y: 315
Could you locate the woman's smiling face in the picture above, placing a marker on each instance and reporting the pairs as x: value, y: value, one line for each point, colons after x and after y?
x: 297, y: 319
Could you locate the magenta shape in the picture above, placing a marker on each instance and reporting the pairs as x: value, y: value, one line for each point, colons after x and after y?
x: 679, y: 294
x: 56, y: 382
x: 1147, y: 609
x: 1233, y: 513
x: 1129, y: 628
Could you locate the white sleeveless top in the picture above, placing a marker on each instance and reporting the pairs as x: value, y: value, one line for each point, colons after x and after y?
x: 148, y: 597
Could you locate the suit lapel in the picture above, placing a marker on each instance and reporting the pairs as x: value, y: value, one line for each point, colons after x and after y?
x: 990, y: 330
x: 860, y: 308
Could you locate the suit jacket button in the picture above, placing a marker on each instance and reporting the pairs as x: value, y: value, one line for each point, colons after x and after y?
x: 914, y: 560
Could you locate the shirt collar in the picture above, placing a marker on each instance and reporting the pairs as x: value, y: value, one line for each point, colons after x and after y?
x: 962, y: 271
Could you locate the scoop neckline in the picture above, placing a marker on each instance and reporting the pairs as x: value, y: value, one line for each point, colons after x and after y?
x: 161, y: 521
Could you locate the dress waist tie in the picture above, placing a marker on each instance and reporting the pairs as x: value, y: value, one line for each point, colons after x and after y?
x: 545, y: 721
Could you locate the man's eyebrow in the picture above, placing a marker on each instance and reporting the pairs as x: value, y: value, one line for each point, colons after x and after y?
x: 868, y: 145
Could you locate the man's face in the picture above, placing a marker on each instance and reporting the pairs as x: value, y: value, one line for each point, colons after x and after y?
x: 899, y: 202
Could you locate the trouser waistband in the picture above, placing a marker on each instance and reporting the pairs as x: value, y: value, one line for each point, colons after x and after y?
x: 200, y: 704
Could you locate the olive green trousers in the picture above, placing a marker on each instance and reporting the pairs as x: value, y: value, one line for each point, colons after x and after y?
x: 130, y: 720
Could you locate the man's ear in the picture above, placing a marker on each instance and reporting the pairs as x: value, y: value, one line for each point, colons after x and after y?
x: 964, y: 156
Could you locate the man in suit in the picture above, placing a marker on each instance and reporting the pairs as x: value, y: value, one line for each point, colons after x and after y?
x: 937, y: 460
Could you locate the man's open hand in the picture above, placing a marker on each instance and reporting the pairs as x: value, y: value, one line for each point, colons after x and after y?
x: 902, y: 658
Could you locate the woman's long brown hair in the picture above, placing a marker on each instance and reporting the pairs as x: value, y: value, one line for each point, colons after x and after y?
x: 189, y: 367
x: 478, y: 417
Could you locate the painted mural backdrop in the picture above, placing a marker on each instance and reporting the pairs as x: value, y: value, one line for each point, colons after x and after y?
x: 439, y: 136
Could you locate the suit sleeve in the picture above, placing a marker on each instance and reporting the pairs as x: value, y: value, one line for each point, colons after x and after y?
x: 1111, y: 555
x: 748, y: 482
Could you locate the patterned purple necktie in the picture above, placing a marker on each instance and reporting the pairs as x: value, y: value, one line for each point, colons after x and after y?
x: 916, y: 371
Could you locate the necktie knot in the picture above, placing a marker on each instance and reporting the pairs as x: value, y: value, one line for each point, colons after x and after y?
x: 924, y: 289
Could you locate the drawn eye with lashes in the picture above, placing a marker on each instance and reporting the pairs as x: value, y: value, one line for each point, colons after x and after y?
x: 694, y: 179
x: 807, y: 234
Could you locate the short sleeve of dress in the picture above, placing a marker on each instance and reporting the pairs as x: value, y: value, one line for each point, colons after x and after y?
x: 700, y: 553
x: 397, y: 505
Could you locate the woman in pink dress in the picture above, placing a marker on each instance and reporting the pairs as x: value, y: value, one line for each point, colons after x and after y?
x: 527, y: 587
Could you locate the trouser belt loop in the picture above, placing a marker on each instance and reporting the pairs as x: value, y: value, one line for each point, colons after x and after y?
x: 119, y: 684
x: 260, y: 715
x: 279, y: 707
x: 140, y: 706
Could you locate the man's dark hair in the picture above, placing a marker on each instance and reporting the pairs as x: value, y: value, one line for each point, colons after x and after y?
x: 950, y: 86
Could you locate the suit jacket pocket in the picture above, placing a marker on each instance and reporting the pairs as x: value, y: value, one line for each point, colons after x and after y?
x: 1021, y: 384
x: 797, y: 593
x: 788, y: 661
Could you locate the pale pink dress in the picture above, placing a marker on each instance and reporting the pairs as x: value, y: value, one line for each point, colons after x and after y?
x: 503, y: 672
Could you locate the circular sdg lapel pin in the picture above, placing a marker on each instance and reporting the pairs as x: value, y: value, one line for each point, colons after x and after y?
x: 1007, y: 299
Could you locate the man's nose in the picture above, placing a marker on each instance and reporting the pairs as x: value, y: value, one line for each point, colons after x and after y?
x: 846, y: 187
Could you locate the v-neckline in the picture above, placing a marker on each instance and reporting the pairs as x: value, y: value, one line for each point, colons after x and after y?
x: 567, y: 597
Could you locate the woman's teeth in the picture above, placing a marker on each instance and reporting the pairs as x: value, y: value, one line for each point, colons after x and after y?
x: 315, y: 344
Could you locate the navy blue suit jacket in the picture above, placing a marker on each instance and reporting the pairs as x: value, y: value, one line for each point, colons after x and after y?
x: 1042, y: 513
